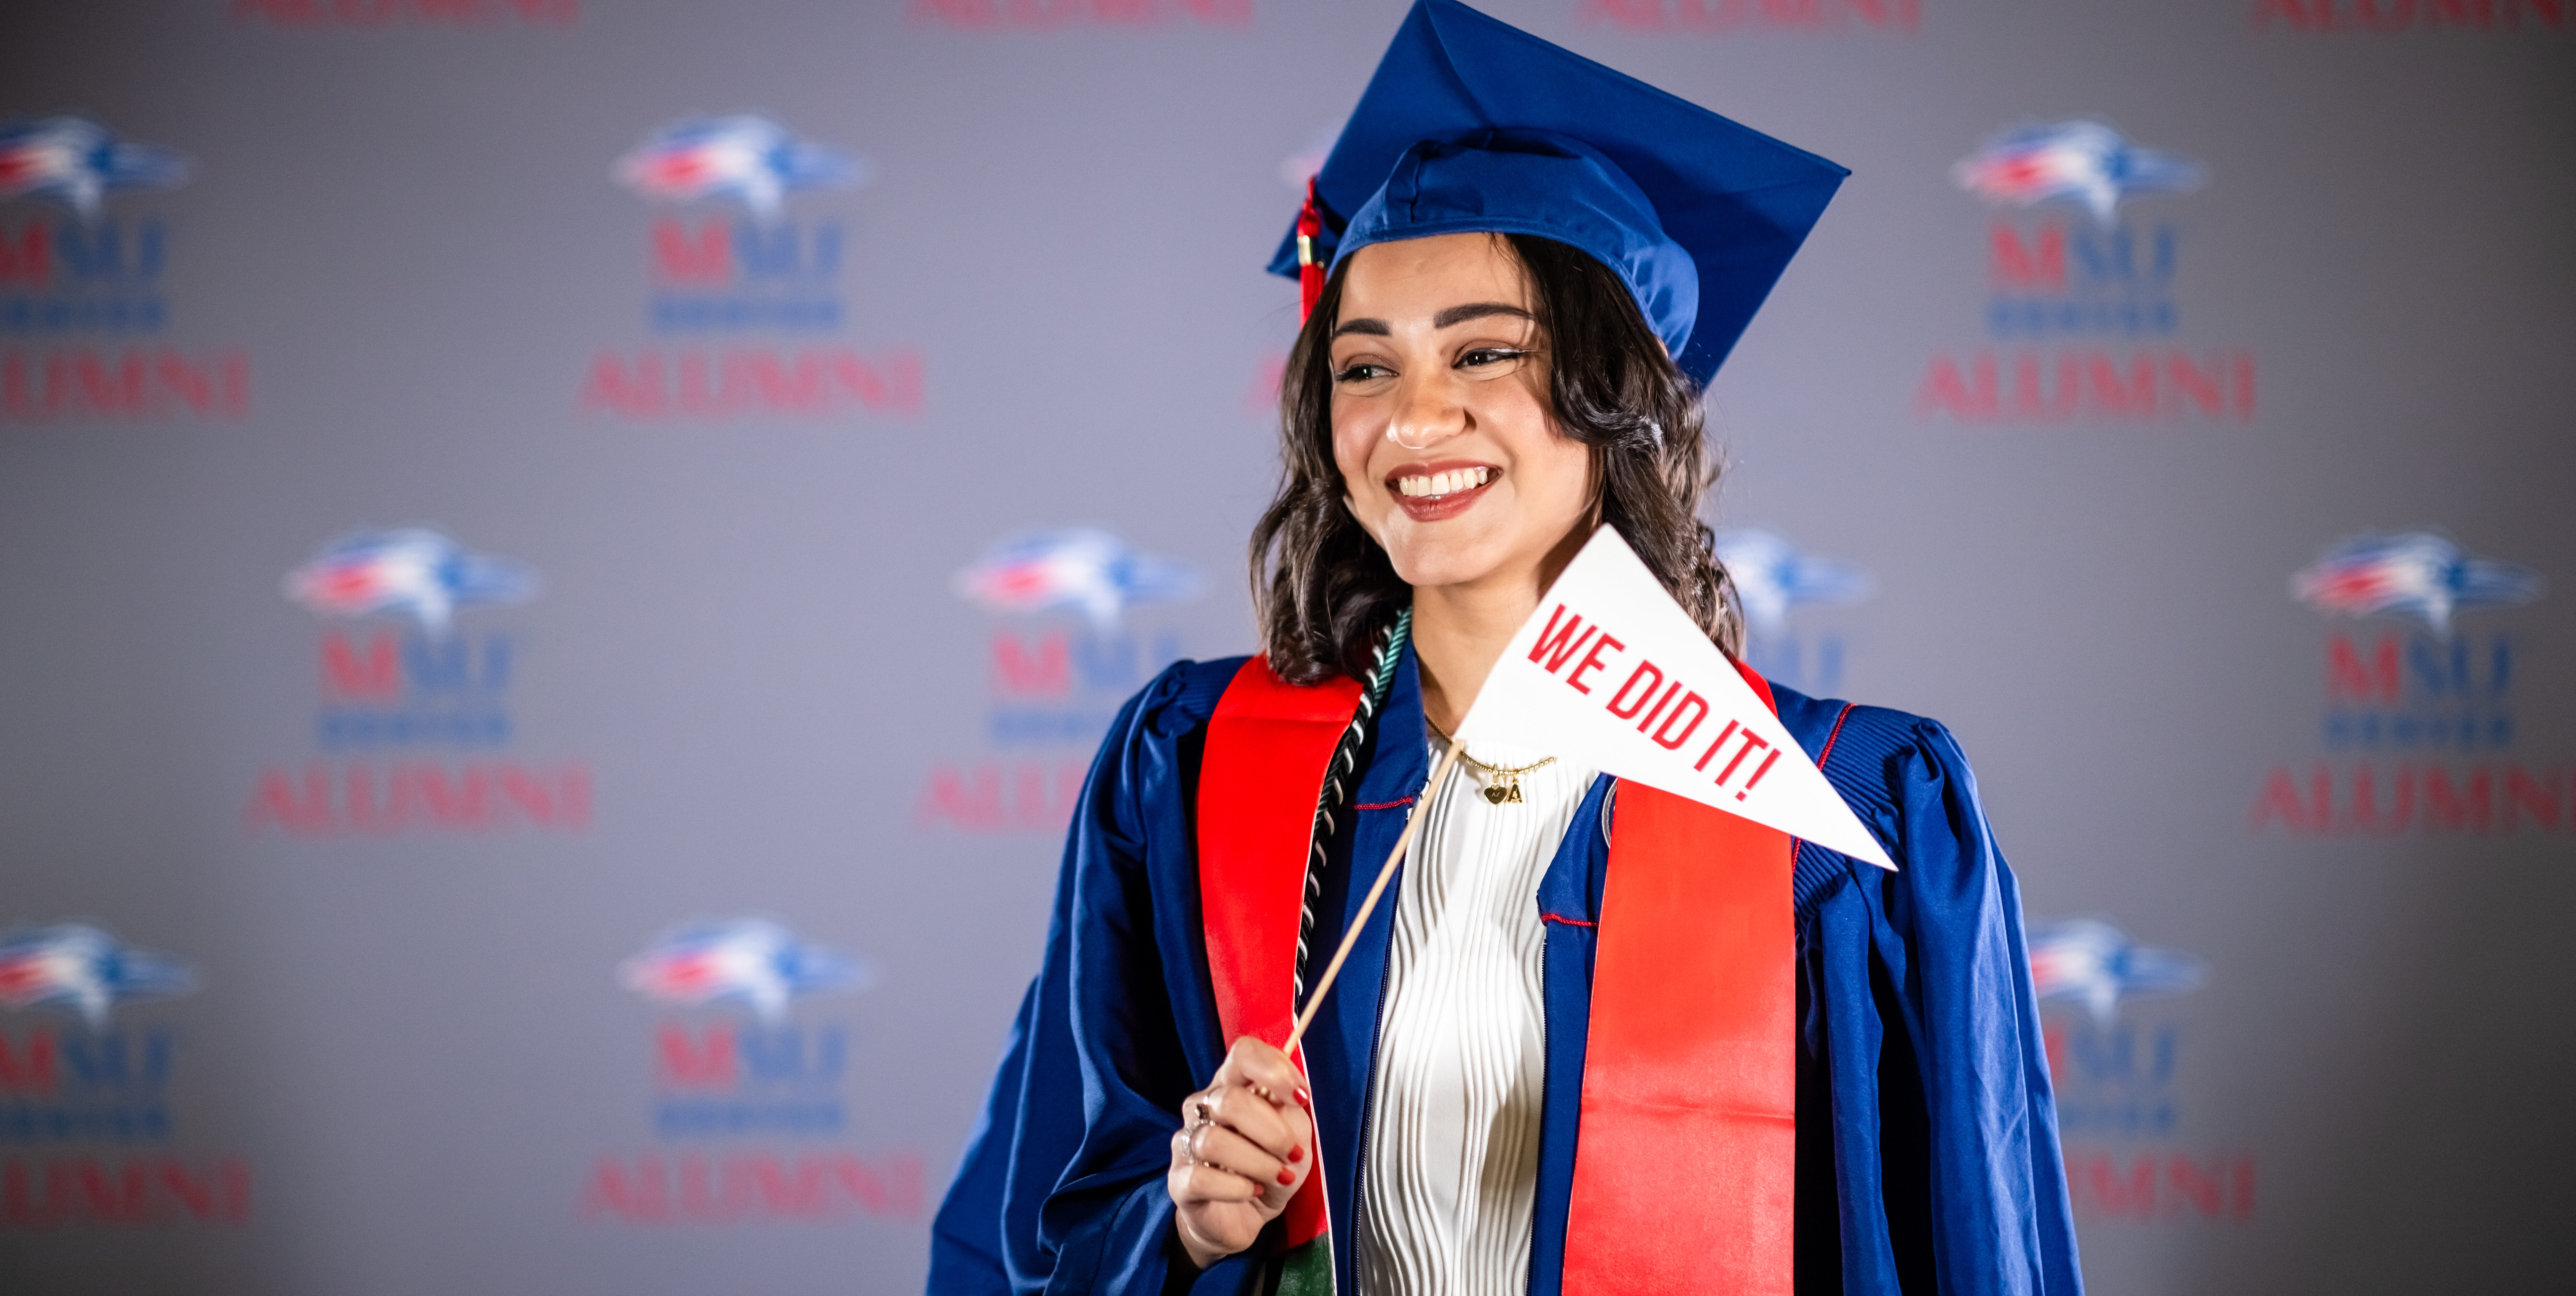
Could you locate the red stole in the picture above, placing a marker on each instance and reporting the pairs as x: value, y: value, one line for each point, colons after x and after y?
x: 1685, y: 1165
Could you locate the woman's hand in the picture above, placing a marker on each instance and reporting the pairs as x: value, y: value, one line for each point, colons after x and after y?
x: 1245, y: 1146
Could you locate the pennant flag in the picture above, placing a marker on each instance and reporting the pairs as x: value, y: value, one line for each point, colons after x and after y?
x: 1610, y: 672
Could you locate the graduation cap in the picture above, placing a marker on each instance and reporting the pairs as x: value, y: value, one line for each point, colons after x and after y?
x: 1473, y: 125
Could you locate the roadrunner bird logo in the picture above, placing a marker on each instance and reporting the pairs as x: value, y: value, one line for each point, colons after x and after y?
x: 750, y: 160
x: 2096, y: 964
x: 76, y: 161
x: 2417, y: 573
x: 752, y: 962
x: 76, y: 968
x: 2083, y: 162
x: 416, y: 573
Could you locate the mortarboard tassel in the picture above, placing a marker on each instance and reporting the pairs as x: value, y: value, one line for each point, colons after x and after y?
x: 1310, y: 272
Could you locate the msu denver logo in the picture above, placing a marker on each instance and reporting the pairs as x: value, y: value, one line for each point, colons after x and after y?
x: 2418, y: 574
x: 747, y: 961
x: 2096, y: 965
x: 75, y: 161
x: 79, y: 969
x: 750, y: 160
x: 1082, y: 570
x: 415, y: 573
x: 2080, y: 161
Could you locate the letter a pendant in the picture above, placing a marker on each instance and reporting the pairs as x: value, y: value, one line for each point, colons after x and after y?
x: 1507, y: 792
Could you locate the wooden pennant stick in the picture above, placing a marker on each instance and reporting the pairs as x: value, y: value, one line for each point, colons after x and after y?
x: 1369, y: 905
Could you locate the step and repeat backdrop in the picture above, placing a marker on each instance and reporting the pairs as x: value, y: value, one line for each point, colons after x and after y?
x: 561, y: 562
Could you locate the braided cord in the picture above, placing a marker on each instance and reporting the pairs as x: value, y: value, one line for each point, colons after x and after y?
x: 1337, y: 781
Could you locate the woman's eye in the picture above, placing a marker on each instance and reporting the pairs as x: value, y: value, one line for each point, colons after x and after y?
x: 1359, y: 373
x: 1483, y: 356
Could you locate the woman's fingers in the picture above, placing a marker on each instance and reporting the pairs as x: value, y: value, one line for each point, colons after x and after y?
x: 1276, y: 1129
x: 1223, y: 1148
x: 1257, y: 1065
x: 1263, y: 1096
x: 1207, y: 1183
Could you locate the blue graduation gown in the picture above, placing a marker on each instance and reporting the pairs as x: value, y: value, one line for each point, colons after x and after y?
x: 1927, y: 1138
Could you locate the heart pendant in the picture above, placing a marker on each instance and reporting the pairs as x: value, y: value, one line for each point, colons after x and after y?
x: 1496, y: 794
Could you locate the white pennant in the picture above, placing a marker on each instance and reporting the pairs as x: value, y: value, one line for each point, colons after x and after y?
x: 1609, y: 672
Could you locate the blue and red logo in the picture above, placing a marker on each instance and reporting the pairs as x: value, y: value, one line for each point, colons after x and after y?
x: 77, y: 162
x: 766, y: 1076
x: 727, y: 273
x: 751, y: 962
x: 422, y: 683
x: 2400, y: 701
x: 2118, y: 1083
x: 82, y: 273
x: 97, y: 1097
x: 742, y: 275
x: 79, y: 969
x: 745, y: 159
x: 2096, y: 965
x: 2420, y: 574
x: 2105, y: 280
x: 754, y: 1101
x: 416, y: 573
x: 1082, y: 570
x: 1056, y: 687
x: 2083, y: 162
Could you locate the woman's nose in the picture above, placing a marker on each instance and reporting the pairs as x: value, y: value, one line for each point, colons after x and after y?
x: 1427, y: 412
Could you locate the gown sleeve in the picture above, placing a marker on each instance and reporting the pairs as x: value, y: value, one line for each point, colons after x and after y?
x: 1061, y: 1189
x: 966, y: 1252
x: 1921, y: 1009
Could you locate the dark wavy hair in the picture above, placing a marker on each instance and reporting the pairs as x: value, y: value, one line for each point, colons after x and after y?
x: 1322, y: 589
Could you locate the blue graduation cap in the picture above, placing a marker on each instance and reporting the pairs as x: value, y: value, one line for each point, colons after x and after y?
x: 1473, y: 125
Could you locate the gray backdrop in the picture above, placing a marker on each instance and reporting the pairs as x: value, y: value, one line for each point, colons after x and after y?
x: 401, y: 287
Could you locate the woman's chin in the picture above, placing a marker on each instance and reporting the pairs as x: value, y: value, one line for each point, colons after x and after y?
x: 1432, y: 566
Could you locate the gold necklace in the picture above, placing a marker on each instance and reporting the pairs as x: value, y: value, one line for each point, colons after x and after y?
x: 1507, y: 789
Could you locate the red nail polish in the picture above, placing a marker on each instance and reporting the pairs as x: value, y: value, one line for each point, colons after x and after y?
x: 1303, y: 1100
x: 1297, y: 1153
x: 1287, y: 1177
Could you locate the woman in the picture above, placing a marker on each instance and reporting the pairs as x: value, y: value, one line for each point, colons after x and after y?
x: 1506, y: 353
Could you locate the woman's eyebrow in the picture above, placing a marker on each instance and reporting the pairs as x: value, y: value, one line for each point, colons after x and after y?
x: 1455, y: 315
x: 1477, y: 310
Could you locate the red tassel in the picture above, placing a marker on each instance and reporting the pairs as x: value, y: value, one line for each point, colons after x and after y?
x: 1310, y: 270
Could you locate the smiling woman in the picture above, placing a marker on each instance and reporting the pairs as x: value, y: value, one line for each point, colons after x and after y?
x: 1591, y: 1042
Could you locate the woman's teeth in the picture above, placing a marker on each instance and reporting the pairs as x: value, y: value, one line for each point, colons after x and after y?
x: 1443, y: 483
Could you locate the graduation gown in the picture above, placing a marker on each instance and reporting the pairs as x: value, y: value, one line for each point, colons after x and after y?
x: 1927, y: 1153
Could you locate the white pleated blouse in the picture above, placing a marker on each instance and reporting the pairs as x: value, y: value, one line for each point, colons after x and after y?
x: 1446, y: 1196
